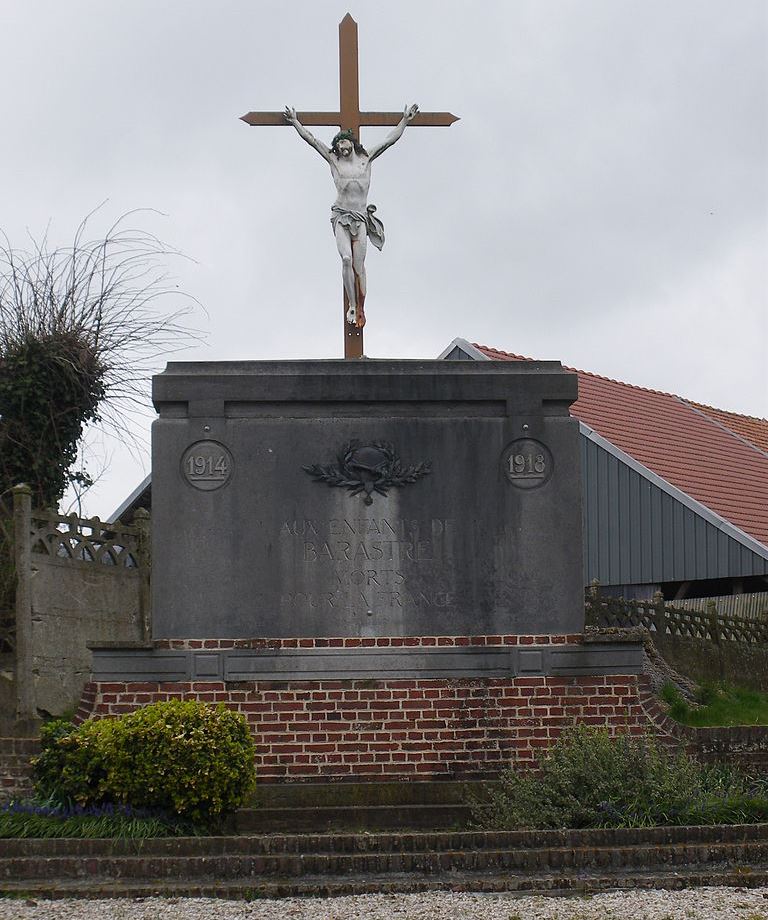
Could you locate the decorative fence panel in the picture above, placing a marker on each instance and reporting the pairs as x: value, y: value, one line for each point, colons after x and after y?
x: 85, y: 540
x: 670, y: 620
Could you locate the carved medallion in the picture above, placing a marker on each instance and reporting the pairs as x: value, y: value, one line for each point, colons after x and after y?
x: 207, y: 465
x: 368, y: 468
x: 527, y: 463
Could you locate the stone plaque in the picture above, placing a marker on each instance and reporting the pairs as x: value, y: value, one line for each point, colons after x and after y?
x: 368, y: 499
x: 207, y: 465
x: 527, y: 463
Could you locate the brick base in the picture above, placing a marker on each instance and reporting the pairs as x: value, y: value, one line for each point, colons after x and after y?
x: 15, y: 766
x: 320, y: 730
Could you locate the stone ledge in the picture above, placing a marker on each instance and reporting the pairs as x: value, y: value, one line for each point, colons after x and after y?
x: 417, y: 662
x: 614, y: 634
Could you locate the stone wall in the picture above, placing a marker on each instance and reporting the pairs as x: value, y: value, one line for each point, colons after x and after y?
x: 701, y: 660
x: 740, y: 745
x: 73, y: 605
x: 78, y: 580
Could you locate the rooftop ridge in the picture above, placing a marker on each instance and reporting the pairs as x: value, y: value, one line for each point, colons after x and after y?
x: 624, y: 383
x: 751, y: 418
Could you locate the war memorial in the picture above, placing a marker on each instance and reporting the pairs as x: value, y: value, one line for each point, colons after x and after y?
x: 377, y: 561
x: 379, y: 564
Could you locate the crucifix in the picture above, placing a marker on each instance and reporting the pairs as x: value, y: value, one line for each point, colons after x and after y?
x: 352, y: 218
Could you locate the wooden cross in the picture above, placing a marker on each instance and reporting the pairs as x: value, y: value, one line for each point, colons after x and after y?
x: 350, y: 117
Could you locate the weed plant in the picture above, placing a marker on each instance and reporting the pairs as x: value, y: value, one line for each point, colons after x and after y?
x: 591, y: 779
x: 718, y: 705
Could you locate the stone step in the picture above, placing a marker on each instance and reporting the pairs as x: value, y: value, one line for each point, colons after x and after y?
x: 297, y: 865
x: 313, y: 795
x: 553, y: 883
x: 383, y: 843
x: 316, y: 819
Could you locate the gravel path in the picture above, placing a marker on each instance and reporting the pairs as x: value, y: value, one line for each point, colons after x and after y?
x: 694, y: 904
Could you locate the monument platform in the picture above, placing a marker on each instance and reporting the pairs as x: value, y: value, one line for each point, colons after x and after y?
x: 378, y: 562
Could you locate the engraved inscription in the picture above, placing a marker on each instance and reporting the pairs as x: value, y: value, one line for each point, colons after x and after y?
x: 526, y: 463
x: 207, y: 465
x: 369, y: 565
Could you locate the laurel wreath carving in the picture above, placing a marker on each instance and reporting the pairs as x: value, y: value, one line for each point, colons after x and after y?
x: 389, y: 474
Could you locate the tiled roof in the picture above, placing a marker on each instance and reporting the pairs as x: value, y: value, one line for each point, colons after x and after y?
x: 754, y: 430
x: 718, y: 458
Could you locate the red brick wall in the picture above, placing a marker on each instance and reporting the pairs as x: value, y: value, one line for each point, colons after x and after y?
x: 368, y: 642
x: 396, y: 729
x: 15, y: 768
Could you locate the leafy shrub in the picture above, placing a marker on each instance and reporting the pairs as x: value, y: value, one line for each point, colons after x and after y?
x: 590, y: 779
x: 184, y: 757
x: 70, y: 764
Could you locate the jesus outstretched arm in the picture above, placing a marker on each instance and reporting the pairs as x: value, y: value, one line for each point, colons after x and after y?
x: 320, y: 147
x: 409, y: 113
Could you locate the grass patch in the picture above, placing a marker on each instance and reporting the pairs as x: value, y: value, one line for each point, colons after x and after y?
x: 718, y: 705
x: 32, y: 818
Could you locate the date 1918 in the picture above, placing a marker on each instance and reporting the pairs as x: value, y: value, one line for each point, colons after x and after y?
x: 526, y: 463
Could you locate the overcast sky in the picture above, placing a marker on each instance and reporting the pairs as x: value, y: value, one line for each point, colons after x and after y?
x: 603, y: 200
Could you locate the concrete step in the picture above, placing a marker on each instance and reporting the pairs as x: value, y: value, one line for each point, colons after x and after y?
x: 268, y: 858
x: 326, y: 795
x: 381, y: 843
x: 334, y: 864
x: 552, y: 883
x: 316, y: 819
x: 322, y: 807
x: 523, y: 861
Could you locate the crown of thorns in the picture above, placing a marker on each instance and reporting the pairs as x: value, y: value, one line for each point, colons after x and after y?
x: 346, y: 135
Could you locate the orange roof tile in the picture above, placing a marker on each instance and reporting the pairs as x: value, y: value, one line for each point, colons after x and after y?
x: 717, y: 457
x: 754, y: 430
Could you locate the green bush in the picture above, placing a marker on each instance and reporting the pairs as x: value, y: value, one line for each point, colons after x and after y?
x: 183, y: 757
x: 590, y: 779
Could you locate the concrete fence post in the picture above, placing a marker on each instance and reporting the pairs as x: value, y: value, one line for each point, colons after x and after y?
x: 714, y: 623
x: 22, y: 542
x: 659, y: 613
x: 143, y: 524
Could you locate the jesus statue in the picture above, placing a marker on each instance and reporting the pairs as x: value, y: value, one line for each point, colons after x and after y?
x: 352, y: 218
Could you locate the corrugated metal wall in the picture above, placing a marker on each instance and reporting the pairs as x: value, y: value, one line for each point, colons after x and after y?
x: 637, y: 534
x: 749, y: 606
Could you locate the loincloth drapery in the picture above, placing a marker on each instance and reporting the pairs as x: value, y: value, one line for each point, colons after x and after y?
x: 373, y: 226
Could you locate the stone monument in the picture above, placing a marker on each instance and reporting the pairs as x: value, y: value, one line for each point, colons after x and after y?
x: 379, y: 562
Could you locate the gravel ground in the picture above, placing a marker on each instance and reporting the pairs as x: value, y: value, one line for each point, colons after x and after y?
x: 694, y: 904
